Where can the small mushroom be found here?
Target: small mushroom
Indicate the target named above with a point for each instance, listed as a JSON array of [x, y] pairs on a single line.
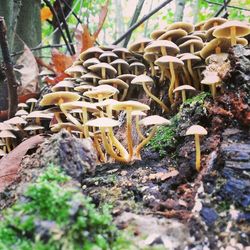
[[104, 70], [6, 135], [137, 114], [212, 79], [197, 130], [183, 89], [33, 102]]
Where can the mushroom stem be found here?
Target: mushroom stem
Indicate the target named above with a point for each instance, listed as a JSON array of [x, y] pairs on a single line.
[[142, 137], [57, 116], [164, 107], [187, 77], [171, 87], [145, 141], [103, 73], [233, 35], [115, 95], [183, 95], [190, 70], [7, 142], [32, 106], [192, 48], [98, 149], [213, 89], [163, 51], [152, 68], [85, 119], [124, 94], [217, 50], [197, 152], [129, 133]]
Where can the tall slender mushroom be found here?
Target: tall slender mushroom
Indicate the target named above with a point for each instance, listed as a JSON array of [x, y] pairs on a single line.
[[137, 114], [197, 130], [104, 70], [183, 89]]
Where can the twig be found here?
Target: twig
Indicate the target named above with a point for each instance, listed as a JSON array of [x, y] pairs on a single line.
[[41, 47], [133, 27], [221, 8], [134, 19], [228, 6], [66, 27], [59, 24], [73, 13], [11, 78]]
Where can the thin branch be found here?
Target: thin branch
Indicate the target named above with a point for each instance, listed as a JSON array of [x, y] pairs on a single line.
[[73, 13], [66, 27], [221, 8], [59, 24], [133, 27], [9, 72], [228, 6], [137, 13]]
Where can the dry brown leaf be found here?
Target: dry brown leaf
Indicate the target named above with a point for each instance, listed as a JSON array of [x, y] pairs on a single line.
[[28, 72], [163, 176], [87, 40], [10, 164], [60, 61]]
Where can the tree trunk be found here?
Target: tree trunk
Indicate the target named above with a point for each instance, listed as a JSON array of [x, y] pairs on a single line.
[[180, 5]]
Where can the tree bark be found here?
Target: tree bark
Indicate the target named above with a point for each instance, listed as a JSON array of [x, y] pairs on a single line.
[[180, 5]]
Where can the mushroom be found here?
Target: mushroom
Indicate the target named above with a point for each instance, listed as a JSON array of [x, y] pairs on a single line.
[[63, 86], [34, 128], [173, 35], [191, 46], [122, 53], [22, 106], [33, 102], [172, 63], [213, 22], [157, 33], [130, 106], [90, 62], [6, 135], [154, 120], [232, 29], [183, 89], [21, 113], [137, 68], [75, 70], [103, 69], [138, 46], [108, 56], [212, 79], [41, 115], [197, 130], [144, 81], [90, 53], [150, 57], [188, 27], [103, 123], [93, 78], [17, 121], [138, 113], [121, 66]]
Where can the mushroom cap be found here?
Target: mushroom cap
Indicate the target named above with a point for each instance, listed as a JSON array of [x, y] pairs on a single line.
[[124, 65], [90, 61], [173, 34], [188, 27], [22, 105], [97, 68], [32, 100], [75, 69], [138, 112], [21, 112], [184, 87], [46, 72], [150, 56], [55, 97], [126, 77], [90, 52], [196, 130], [57, 127], [7, 134], [106, 102], [166, 60], [139, 80], [157, 33], [83, 88], [16, 121], [120, 84], [103, 122], [5, 126], [107, 54], [190, 56], [140, 67], [223, 30], [108, 47], [211, 78], [136, 46], [130, 105], [154, 120], [186, 38], [155, 46], [200, 34], [199, 26], [104, 90], [91, 76], [79, 104], [185, 47], [44, 115], [120, 51], [216, 20], [63, 84], [33, 128]]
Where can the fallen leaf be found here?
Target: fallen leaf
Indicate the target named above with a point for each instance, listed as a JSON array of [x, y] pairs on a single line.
[[163, 176], [28, 69], [87, 40], [10, 164], [60, 61], [45, 13]]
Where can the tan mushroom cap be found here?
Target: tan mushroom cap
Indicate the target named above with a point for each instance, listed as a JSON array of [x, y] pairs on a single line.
[[196, 130], [130, 105], [105, 91], [184, 87], [126, 77], [139, 45], [154, 120], [118, 82], [7, 134], [157, 33], [5, 126], [139, 80], [63, 84], [140, 67], [107, 55], [108, 47], [138, 112], [185, 47], [223, 30], [56, 97], [97, 68], [120, 51], [75, 69], [66, 125], [103, 122], [21, 112], [173, 35], [90, 61], [91, 76], [40, 114], [166, 60], [83, 88], [122, 64], [22, 105], [106, 102], [186, 38], [188, 27], [216, 21], [155, 46], [90, 52], [199, 26], [200, 34], [32, 100], [16, 121], [150, 56], [91, 107], [209, 34], [190, 56], [33, 128]]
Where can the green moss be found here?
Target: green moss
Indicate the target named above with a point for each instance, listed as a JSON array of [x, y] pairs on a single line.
[[198, 99], [53, 215]]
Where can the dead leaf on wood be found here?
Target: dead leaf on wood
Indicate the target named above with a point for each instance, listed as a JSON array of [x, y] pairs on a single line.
[[163, 176], [28, 72], [60, 61], [10, 164]]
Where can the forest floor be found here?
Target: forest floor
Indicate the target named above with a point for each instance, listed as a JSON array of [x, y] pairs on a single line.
[[161, 201]]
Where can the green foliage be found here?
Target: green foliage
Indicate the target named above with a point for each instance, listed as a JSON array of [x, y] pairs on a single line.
[[53, 215], [198, 99]]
